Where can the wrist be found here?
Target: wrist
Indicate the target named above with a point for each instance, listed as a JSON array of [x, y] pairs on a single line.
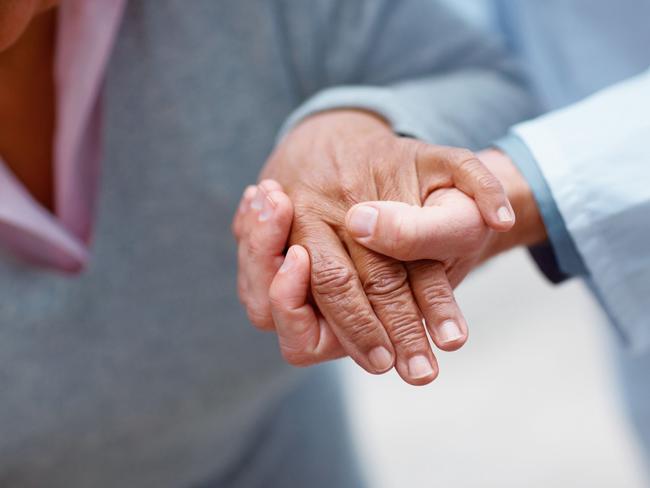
[[529, 227], [323, 134], [359, 121]]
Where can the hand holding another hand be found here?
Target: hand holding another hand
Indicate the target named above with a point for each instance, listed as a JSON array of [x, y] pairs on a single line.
[[335, 296]]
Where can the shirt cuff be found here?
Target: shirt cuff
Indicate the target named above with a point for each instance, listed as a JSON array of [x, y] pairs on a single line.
[[558, 258], [379, 100]]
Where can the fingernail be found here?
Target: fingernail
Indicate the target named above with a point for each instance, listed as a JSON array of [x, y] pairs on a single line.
[[419, 367], [288, 262], [363, 220], [380, 358], [258, 200], [504, 214], [267, 209], [249, 193], [449, 332]]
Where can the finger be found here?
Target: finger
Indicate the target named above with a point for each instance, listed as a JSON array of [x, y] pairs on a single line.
[[304, 337], [242, 278], [250, 215], [241, 235], [269, 224], [435, 298], [409, 232], [470, 175], [242, 209], [385, 282], [257, 202], [244, 220], [338, 293]]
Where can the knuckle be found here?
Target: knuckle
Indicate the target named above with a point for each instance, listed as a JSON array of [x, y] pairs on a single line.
[[470, 165], [437, 294], [358, 324], [302, 200], [464, 156], [403, 323], [385, 280], [410, 337], [309, 216], [488, 183], [362, 330], [331, 277], [475, 170], [334, 282], [352, 189], [255, 247]]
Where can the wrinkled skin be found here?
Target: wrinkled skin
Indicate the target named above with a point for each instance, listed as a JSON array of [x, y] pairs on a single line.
[[365, 305]]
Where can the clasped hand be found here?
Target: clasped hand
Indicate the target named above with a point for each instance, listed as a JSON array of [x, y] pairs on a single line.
[[333, 295]]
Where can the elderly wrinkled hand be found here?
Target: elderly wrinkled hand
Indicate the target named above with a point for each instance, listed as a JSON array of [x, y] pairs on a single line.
[[333, 296]]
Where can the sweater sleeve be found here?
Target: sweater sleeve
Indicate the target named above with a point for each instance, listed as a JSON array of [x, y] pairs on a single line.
[[420, 66]]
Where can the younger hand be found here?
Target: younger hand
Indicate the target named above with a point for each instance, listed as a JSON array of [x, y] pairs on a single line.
[[448, 227]]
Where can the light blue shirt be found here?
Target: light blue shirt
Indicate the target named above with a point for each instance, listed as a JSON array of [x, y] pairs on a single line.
[[573, 48], [589, 164]]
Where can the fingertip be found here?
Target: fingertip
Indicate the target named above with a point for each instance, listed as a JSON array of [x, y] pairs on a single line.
[[506, 215], [500, 219], [301, 255], [381, 360], [453, 346], [249, 192], [424, 381], [450, 335], [296, 262], [282, 209], [419, 370]]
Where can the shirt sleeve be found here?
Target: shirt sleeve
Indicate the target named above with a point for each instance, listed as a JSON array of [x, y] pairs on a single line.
[[595, 159], [558, 258], [421, 67]]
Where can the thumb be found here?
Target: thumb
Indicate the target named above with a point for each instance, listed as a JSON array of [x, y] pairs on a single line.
[[408, 233]]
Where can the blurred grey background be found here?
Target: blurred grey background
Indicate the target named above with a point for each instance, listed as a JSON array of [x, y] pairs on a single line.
[[530, 401]]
